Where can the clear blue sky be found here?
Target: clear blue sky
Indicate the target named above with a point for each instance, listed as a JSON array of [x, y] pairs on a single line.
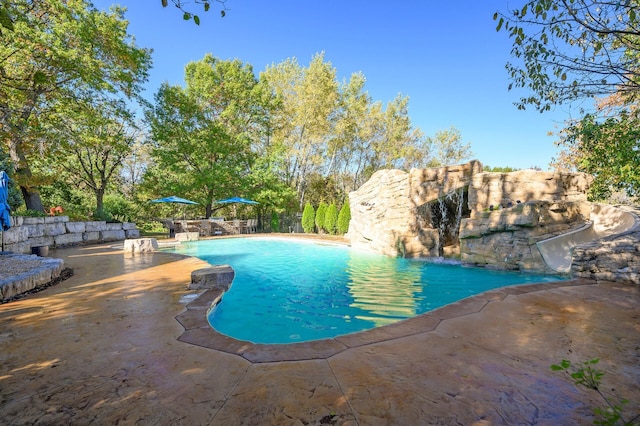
[[445, 55]]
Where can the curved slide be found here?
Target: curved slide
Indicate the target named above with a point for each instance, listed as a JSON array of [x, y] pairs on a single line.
[[605, 221]]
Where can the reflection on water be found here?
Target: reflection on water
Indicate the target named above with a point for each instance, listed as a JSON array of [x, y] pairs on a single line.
[[385, 289], [290, 291]]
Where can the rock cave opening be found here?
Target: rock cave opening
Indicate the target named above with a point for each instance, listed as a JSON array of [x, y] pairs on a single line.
[[444, 215]]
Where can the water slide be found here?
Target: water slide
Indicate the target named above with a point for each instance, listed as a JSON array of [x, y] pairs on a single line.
[[605, 221]]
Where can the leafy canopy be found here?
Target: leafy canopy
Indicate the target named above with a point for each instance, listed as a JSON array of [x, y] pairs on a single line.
[[608, 148], [54, 55], [571, 49]]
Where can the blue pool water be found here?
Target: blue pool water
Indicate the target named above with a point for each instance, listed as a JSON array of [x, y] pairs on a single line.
[[288, 290]]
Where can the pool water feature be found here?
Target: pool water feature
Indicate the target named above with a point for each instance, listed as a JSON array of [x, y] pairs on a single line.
[[291, 290]]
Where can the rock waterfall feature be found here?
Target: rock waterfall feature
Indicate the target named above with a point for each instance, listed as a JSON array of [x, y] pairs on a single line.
[[496, 220], [412, 214]]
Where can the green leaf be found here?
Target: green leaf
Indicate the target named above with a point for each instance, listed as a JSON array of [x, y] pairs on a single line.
[[222, 13], [196, 19], [500, 24], [207, 6], [186, 16], [164, 3], [5, 19]]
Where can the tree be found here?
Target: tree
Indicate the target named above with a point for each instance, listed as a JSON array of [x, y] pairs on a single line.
[[302, 126], [325, 129], [275, 222], [55, 54], [448, 148], [344, 217], [308, 219], [570, 49], [320, 188], [97, 139], [320, 216], [134, 166], [606, 147], [331, 219], [14, 199], [203, 133], [370, 137]]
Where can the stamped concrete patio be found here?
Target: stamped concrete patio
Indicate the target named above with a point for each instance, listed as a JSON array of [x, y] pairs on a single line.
[[102, 348]]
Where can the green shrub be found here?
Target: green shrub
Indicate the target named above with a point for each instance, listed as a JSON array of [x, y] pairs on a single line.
[[331, 219], [320, 214], [119, 208], [344, 217], [275, 222], [103, 216], [28, 213], [308, 218]]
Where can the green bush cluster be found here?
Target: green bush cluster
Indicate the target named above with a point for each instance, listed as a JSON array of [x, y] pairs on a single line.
[[320, 214], [331, 219], [308, 218], [344, 217], [326, 218]]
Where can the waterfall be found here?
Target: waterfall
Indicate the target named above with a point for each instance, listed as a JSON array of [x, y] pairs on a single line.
[[449, 211], [460, 206]]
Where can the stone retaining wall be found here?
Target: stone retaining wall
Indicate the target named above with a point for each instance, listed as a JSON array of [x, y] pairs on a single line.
[[57, 231]]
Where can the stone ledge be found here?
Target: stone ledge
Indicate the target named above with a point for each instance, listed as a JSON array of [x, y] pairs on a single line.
[[198, 332], [216, 277], [187, 236], [48, 269], [141, 245]]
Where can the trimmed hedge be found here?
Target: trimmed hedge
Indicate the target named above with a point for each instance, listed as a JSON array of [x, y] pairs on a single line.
[[308, 219], [331, 219], [344, 217], [320, 214]]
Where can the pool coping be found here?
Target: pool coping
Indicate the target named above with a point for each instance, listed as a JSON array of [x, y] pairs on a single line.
[[198, 331]]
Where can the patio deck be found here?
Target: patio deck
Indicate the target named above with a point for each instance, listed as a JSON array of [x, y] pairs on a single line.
[[102, 347]]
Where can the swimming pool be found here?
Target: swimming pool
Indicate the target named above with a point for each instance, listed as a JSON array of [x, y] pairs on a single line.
[[292, 290]]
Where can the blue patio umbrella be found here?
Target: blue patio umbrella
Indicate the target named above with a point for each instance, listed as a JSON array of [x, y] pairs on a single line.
[[236, 200], [173, 199], [5, 218]]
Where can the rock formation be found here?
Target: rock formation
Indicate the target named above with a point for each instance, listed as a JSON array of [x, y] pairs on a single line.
[[506, 238], [487, 219], [504, 189], [401, 214]]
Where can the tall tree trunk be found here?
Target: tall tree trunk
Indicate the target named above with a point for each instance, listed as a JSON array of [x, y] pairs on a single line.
[[99, 203], [31, 194]]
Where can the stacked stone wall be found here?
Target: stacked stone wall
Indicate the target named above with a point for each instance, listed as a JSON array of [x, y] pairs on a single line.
[[613, 258], [506, 238], [505, 189], [58, 231]]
